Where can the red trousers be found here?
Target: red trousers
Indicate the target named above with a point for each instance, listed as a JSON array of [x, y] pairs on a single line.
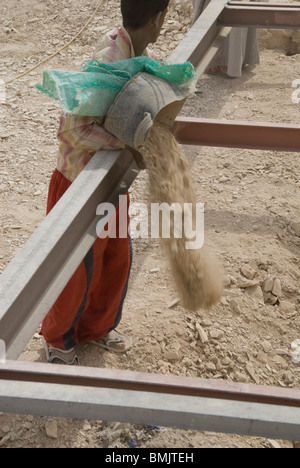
[[91, 304]]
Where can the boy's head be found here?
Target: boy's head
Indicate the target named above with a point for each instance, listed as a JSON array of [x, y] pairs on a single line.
[[138, 14]]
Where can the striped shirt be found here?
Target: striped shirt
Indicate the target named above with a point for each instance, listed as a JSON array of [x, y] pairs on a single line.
[[81, 137]]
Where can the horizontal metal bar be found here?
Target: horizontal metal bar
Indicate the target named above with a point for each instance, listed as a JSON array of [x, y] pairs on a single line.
[[269, 5], [143, 382], [235, 417], [256, 14], [201, 36], [237, 134], [34, 279]]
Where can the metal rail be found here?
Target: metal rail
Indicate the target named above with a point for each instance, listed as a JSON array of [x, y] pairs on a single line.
[[261, 15], [35, 278], [143, 382], [237, 134], [187, 412], [111, 395], [201, 37]]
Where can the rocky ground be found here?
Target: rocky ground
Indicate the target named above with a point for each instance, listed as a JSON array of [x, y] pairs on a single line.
[[252, 206]]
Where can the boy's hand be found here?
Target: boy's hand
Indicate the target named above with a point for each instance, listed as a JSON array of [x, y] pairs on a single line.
[[138, 157]]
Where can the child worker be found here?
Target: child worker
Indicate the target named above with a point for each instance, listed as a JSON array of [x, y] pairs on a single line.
[[90, 307]]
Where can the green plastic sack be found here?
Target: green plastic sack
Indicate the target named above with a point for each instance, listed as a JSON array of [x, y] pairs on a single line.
[[92, 91]]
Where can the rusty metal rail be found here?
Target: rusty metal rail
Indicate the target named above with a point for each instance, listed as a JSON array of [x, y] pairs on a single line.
[[143, 382], [114, 395], [33, 280], [237, 134]]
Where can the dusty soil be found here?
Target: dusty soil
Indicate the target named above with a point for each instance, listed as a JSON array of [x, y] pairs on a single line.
[[252, 206]]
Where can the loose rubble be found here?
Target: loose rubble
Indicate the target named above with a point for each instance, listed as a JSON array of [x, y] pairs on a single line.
[[252, 207]]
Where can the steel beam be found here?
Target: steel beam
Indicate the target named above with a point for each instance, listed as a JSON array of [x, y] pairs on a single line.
[[201, 37], [261, 15], [36, 276], [143, 382], [237, 134], [187, 412]]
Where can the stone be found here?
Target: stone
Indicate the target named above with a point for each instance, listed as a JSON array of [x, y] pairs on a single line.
[[226, 361], [206, 323], [274, 444], [51, 429], [4, 440], [286, 307], [202, 333], [112, 436], [27, 425], [235, 306], [294, 273], [288, 378], [87, 426], [248, 272], [250, 370], [280, 361], [269, 298], [262, 357], [210, 366], [263, 265], [276, 290], [244, 284], [296, 229], [268, 284], [226, 282], [266, 346], [256, 293], [172, 356], [216, 334], [240, 377], [223, 301], [281, 352]]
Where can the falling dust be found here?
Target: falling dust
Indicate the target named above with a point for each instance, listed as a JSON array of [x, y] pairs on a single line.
[[196, 272]]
